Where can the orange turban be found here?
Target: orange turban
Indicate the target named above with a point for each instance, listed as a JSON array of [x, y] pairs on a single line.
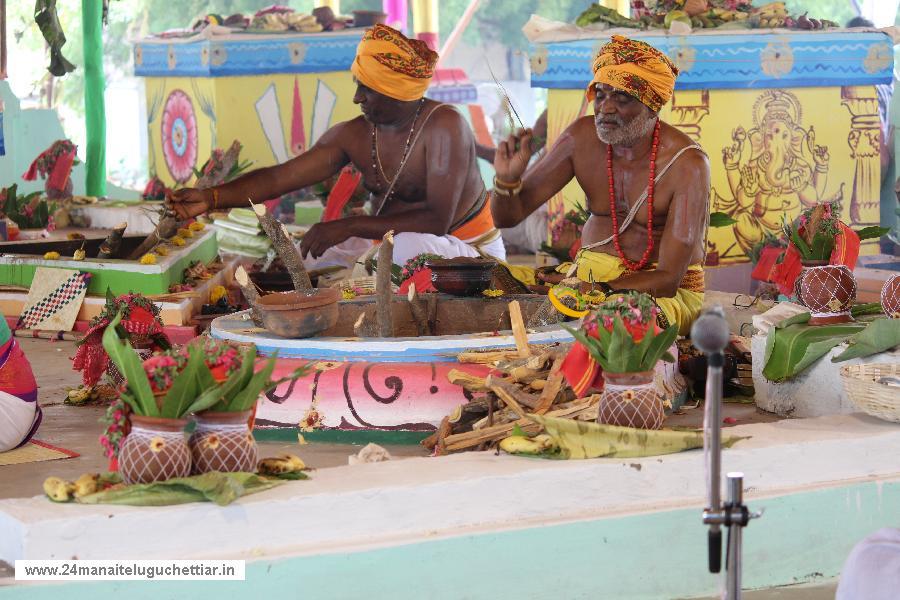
[[394, 65], [636, 68]]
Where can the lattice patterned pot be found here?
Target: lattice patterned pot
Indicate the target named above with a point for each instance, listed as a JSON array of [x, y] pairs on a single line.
[[223, 442], [154, 450], [890, 297], [630, 400], [827, 291]]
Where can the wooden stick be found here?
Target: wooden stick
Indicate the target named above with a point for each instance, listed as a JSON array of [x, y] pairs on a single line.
[[473, 383], [166, 228], [418, 310], [505, 396], [518, 329], [551, 390], [384, 294], [365, 324], [285, 248], [250, 293], [110, 246], [512, 392]]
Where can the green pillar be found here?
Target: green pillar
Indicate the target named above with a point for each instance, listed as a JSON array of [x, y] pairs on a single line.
[[94, 106]]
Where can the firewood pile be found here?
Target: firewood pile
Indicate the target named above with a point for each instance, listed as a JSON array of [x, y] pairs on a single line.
[[525, 380]]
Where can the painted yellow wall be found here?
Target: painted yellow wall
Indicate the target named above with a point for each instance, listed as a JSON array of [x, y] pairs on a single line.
[[829, 136], [225, 110]]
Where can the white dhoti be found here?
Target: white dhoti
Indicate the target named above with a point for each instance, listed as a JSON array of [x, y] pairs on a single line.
[[18, 419], [872, 571]]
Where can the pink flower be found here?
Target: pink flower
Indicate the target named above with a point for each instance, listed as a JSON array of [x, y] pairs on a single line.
[[104, 441], [112, 428], [117, 415]]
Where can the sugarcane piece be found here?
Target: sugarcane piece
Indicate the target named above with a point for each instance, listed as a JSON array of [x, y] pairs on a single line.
[[281, 241], [250, 293], [384, 293], [518, 329], [113, 242], [418, 311], [166, 228]]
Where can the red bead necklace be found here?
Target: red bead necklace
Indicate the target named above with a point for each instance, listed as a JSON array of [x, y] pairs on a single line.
[[633, 266]]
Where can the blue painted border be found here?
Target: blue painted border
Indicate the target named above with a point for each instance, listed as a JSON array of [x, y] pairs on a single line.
[[802, 538], [249, 55], [739, 61]]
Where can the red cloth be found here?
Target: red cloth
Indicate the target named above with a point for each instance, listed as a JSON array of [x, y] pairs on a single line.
[[422, 279], [62, 168], [91, 358], [767, 266], [341, 193], [846, 252]]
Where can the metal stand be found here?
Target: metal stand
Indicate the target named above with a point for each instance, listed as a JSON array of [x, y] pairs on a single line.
[[710, 334]]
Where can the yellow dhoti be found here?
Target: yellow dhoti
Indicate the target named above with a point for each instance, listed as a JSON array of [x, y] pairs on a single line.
[[683, 308]]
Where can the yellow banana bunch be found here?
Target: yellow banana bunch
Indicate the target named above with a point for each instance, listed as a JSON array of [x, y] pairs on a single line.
[[520, 444], [58, 489], [87, 484], [287, 463]]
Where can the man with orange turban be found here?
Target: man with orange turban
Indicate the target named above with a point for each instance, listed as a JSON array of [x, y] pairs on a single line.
[[416, 157], [646, 184]]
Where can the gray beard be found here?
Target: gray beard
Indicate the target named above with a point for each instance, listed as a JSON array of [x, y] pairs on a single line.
[[628, 133]]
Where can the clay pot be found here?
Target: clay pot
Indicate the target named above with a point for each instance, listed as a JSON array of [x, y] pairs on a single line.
[[144, 350], [154, 450], [295, 315], [827, 291], [695, 7], [630, 400], [223, 442], [461, 276], [890, 297]]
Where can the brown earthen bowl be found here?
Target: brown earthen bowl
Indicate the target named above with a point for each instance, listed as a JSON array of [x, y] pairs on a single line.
[[295, 315], [461, 276]]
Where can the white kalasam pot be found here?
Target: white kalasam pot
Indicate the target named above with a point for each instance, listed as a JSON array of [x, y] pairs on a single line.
[[827, 291], [154, 450], [890, 297], [631, 400]]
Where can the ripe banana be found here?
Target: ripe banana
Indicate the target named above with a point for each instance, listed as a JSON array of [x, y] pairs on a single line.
[[86, 484], [58, 489], [287, 463], [519, 444]]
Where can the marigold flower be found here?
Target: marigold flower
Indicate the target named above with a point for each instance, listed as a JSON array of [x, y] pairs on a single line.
[[51, 256], [178, 241], [197, 226], [185, 233], [148, 259]]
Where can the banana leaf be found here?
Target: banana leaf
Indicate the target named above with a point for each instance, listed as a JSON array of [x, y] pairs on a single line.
[[247, 397], [617, 351], [881, 335], [659, 347], [184, 389], [221, 488], [583, 439], [792, 346], [129, 365], [48, 22]]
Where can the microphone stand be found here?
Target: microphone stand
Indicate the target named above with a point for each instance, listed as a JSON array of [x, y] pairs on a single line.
[[710, 334]]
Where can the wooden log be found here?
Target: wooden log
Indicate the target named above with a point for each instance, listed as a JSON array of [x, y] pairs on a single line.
[[113, 242], [518, 395], [250, 293], [365, 324], [443, 432], [419, 311], [384, 293], [166, 228], [551, 390], [505, 396], [518, 329], [285, 248]]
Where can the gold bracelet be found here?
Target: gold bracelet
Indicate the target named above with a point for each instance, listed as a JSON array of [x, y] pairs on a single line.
[[499, 183]]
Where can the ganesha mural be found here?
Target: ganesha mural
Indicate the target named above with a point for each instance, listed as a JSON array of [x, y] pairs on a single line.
[[774, 168]]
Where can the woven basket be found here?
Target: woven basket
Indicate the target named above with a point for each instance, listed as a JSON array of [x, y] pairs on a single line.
[[877, 399]]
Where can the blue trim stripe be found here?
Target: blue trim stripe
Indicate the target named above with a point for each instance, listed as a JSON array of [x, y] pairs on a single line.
[[776, 60]]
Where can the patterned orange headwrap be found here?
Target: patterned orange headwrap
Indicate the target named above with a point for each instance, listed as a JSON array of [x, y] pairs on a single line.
[[394, 65], [636, 68]]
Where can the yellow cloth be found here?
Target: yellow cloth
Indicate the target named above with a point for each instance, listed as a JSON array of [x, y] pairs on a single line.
[[394, 65], [636, 68], [598, 267]]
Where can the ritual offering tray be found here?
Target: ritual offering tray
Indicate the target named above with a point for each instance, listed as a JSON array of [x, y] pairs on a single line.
[[461, 276], [20, 259]]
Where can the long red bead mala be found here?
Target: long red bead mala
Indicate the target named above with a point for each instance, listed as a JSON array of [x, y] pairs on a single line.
[[633, 266]]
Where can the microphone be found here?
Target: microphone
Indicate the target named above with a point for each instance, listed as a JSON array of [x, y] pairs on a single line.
[[710, 333]]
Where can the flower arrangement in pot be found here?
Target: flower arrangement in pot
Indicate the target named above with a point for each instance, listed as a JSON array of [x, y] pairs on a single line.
[[155, 449], [140, 324], [622, 335], [827, 250]]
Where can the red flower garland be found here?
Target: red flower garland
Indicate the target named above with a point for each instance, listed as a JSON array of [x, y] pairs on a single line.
[[633, 266]]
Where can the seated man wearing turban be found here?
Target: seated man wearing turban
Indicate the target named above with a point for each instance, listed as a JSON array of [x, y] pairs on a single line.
[[646, 183], [416, 156]]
